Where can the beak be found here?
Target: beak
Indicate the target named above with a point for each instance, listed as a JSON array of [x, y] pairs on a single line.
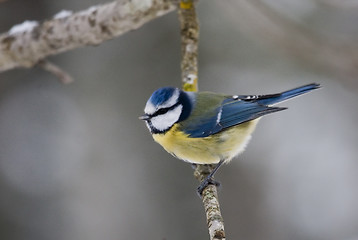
[[144, 117]]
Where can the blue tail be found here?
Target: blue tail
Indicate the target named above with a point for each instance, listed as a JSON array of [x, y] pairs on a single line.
[[280, 97]]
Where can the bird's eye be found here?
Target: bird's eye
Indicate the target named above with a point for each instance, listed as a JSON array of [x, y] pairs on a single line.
[[162, 111]]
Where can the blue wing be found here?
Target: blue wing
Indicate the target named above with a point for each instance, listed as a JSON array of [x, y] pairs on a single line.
[[240, 109], [232, 112]]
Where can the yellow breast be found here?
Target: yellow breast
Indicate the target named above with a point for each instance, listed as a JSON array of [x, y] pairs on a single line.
[[208, 150]]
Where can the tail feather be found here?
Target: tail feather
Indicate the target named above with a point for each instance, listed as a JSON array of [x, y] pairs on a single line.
[[277, 98]]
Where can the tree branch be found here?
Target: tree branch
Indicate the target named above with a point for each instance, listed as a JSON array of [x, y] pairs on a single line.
[[211, 204], [189, 27], [26, 44], [189, 66], [64, 77]]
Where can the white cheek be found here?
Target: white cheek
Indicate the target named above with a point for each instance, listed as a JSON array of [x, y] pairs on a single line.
[[165, 121]]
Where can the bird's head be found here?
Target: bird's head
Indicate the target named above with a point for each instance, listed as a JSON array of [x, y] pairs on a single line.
[[166, 107]]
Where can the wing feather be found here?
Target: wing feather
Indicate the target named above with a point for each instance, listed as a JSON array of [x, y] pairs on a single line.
[[231, 112]]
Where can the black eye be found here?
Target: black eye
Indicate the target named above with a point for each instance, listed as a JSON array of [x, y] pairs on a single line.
[[162, 111]]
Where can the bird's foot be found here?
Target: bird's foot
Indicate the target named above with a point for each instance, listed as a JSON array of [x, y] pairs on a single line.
[[208, 181]]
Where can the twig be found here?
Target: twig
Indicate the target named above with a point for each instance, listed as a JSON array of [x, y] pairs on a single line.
[[189, 66], [211, 204], [64, 77], [189, 27], [26, 44]]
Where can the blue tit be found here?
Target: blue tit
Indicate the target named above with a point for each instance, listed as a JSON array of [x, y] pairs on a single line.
[[206, 127]]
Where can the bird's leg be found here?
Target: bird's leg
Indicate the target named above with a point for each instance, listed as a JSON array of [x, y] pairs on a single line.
[[209, 179]]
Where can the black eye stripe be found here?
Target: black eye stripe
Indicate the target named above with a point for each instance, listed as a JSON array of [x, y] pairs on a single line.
[[162, 111]]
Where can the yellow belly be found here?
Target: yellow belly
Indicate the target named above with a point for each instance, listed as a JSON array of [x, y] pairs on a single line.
[[209, 150]]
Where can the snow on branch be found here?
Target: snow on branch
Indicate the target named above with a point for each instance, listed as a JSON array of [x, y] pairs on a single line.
[[24, 45]]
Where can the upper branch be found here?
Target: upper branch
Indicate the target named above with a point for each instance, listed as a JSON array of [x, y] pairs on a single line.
[[26, 44], [189, 27]]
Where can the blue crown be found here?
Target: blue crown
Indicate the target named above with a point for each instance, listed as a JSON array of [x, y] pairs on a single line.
[[161, 95]]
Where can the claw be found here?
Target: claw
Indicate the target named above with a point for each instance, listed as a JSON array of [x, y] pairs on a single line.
[[209, 179], [205, 183]]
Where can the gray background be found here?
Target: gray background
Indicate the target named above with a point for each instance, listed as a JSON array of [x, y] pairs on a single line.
[[76, 163]]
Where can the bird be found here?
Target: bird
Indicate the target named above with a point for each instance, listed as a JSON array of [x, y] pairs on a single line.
[[207, 127]]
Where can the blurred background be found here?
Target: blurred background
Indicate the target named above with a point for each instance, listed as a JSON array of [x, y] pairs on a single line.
[[76, 163]]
